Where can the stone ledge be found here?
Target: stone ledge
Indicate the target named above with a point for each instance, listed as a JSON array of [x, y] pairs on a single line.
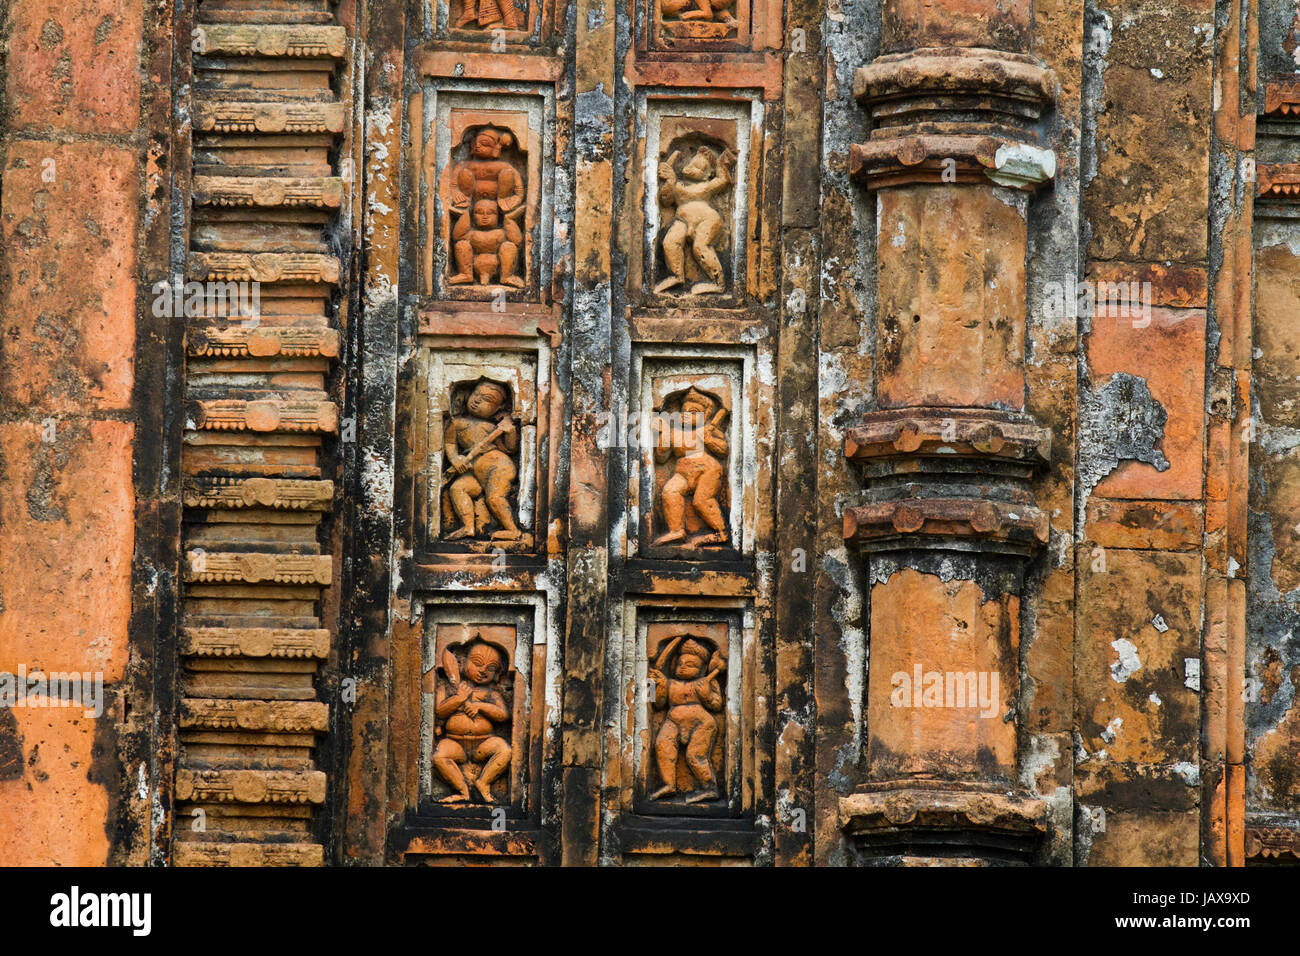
[[213, 39], [950, 159], [221, 116], [188, 853], [1021, 526], [1278, 181], [251, 786], [947, 433], [1282, 95], [284, 494], [263, 415], [305, 267], [935, 71], [945, 827], [255, 642], [1272, 843], [325, 192], [257, 567], [262, 341], [258, 715]]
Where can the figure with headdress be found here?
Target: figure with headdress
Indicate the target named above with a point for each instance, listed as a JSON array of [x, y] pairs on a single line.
[[691, 697], [698, 445], [695, 221], [487, 199]]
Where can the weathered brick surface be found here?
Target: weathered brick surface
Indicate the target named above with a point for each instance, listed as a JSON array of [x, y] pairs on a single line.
[[75, 66], [1139, 626], [52, 813], [66, 608], [1160, 525], [1149, 199], [67, 290], [1169, 356], [1145, 838], [70, 226], [1271, 730]]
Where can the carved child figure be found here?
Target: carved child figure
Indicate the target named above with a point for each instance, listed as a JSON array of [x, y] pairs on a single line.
[[469, 713], [691, 697], [478, 448], [483, 190], [485, 175], [484, 248], [698, 446], [694, 218]]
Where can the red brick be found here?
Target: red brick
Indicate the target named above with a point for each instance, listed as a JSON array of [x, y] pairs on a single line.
[[75, 66], [67, 289], [52, 815], [67, 509], [1169, 355]]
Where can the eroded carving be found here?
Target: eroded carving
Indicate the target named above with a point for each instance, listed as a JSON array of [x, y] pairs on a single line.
[[488, 15], [473, 714], [698, 19], [690, 450], [486, 201], [268, 415], [481, 447], [687, 719], [695, 186]]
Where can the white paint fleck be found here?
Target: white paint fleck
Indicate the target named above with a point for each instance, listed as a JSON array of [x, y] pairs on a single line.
[[377, 481], [1112, 730], [1128, 662], [1041, 758], [900, 236], [1016, 164]]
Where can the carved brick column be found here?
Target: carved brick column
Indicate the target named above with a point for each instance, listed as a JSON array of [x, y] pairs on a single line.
[[947, 459], [260, 420]]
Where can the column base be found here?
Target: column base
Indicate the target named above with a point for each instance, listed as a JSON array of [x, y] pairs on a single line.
[[930, 826]]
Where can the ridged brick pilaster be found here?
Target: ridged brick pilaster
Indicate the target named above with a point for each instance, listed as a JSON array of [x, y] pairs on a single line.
[[260, 422]]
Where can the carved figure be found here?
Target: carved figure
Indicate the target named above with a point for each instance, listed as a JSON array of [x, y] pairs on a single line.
[[488, 13], [713, 10], [484, 248], [698, 446], [695, 220], [468, 710], [487, 199], [479, 446], [691, 697]]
